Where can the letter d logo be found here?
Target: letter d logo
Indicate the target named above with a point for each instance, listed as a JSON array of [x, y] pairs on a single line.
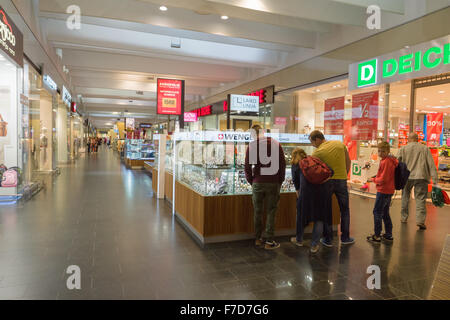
[[367, 73]]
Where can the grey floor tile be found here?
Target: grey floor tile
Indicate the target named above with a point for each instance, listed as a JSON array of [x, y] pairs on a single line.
[[132, 248]]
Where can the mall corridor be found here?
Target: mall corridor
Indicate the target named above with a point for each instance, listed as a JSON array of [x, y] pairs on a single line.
[[102, 217]]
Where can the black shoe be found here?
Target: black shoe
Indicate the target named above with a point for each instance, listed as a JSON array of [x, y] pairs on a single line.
[[271, 245], [422, 226], [387, 238]]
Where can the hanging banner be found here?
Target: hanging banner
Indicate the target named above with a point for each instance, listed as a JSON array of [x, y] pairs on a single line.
[[334, 116], [365, 116], [11, 39], [434, 128], [170, 96], [190, 117]]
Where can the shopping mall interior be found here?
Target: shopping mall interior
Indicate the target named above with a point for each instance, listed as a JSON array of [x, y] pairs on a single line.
[[124, 127]]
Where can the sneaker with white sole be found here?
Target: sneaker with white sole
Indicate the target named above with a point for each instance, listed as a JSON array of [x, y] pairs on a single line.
[[348, 241], [271, 245], [294, 241], [326, 244], [315, 249]]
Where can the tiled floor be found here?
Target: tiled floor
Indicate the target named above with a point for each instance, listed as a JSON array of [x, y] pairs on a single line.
[[102, 217]]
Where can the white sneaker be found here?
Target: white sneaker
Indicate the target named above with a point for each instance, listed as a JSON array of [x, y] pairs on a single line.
[[294, 241]]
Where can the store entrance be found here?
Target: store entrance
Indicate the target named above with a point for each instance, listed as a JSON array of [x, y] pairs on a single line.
[[432, 121], [242, 124]]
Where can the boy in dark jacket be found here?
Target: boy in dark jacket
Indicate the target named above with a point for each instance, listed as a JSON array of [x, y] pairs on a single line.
[[385, 182]]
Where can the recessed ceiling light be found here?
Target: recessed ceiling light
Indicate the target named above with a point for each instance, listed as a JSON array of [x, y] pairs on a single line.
[[425, 99], [405, 109], [403, 95], [224, 17], [442, 101], [442, 91], [163, 8], [394, 101], [317, 90]]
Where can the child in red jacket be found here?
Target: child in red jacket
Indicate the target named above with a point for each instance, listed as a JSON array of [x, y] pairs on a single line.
[[385, 183]]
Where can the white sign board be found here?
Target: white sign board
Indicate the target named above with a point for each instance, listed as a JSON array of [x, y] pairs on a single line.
[[66, 96], [48, 81], [244, 103], [230, 136]]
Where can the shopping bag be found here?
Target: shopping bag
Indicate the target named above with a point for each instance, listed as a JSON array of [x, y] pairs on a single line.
[[437, 197]]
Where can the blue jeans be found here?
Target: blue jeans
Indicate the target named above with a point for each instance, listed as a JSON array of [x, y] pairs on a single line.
[[317, 233], [339, 188], [381, 213]]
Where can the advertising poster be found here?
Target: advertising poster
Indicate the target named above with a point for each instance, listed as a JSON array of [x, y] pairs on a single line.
[[434, 128], [365, 116], [170, 96], [190, 117], [334, 116]]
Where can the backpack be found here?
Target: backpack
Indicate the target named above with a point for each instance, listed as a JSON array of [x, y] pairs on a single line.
[[315, 170], [401, 176], [9, 179]]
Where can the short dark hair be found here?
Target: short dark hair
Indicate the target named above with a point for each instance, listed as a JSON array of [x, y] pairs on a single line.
[[257, 128], [316, 134]]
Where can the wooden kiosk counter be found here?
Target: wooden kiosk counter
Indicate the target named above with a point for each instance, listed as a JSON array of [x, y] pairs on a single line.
[[222, 218]]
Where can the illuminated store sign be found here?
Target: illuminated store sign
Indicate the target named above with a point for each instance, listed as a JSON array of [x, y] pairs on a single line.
[[190, 117], [227, 136], [11, 39], [48, 81], [170, 96], [204, 111], [66, 96], [423, 60], [244, 103]]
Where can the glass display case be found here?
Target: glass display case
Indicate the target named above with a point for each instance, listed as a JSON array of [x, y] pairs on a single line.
[[169, 155], [139, 149], [217, 168]]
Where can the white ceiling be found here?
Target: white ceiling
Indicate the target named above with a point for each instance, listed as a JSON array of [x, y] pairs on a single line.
[[124, 45]]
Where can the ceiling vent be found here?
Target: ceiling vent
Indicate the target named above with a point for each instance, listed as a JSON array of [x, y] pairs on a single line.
[[141, 93], [176, 43]]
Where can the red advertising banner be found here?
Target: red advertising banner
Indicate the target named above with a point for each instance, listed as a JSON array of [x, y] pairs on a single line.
[[334, 116], [170, 96], [434, 128], [365, 116]]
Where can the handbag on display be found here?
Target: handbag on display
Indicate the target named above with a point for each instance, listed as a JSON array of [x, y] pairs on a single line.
[[9, 179], [3, 127]]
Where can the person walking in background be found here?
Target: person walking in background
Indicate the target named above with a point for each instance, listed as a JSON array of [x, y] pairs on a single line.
[[313, 203], [420, 163], [335, 155], [385, 182], [266, 180], [88, 146]]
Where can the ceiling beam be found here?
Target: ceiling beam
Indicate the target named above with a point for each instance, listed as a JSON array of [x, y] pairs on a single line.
[[218, 9], [317, 10], [75, 59], [178, 18]]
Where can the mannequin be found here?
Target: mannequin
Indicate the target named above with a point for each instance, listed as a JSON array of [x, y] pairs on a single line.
[[43, 148]]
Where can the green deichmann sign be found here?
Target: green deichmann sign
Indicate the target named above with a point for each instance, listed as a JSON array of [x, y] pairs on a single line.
[[419, 61]]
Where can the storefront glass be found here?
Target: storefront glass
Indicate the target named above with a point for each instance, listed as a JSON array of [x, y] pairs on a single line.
[[10, 122], [368, 116]]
